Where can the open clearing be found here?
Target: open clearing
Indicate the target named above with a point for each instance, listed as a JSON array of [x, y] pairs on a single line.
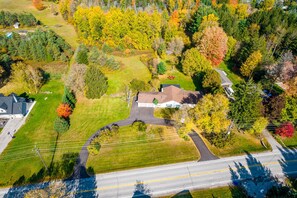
[[131, 148]]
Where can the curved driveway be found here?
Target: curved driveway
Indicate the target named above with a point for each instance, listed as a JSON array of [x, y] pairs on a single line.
[[137, 113]]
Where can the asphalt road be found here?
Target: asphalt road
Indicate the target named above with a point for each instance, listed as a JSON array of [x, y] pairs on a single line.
[[254, 172]]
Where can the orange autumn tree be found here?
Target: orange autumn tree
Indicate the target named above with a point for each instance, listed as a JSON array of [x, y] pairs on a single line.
[[64, 110], [213, 44], [38, 4]]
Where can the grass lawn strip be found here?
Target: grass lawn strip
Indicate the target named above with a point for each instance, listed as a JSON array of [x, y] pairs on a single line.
[[289, 142], [224, 192], [240, 144], [130, 148]]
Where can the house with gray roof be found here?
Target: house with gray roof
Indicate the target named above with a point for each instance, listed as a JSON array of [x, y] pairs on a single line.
[[12, 106], [226, 82]]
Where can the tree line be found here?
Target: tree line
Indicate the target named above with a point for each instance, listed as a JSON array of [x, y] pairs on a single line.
[[8, 19], [38, 45]]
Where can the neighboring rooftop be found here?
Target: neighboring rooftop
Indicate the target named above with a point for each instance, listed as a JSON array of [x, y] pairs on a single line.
[[12, 105], [225, 80]]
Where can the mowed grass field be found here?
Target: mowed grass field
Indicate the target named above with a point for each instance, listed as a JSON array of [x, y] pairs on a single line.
[[53, 22], [184, 81], [241, 143], [130, 148], [132, 68], [18, 159]]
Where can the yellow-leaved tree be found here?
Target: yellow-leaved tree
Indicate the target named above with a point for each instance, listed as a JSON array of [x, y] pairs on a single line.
[[211, 114], [251, 63]]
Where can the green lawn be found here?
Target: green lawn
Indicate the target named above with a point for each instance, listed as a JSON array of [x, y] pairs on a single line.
[[18, 159], [240, 144], [55, 23], [131, 68], [289, 142], [231, 75], [220, 192], [131, 148], [87, 118], [184, 81]]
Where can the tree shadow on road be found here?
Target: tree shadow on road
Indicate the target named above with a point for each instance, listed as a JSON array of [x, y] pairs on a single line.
[[141, 190], [183, 194], [255, 180]]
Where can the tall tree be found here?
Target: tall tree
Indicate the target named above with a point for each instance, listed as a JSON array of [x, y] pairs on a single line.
[[246, 108], [194, 62], [76, 78], [95, 83], [213, 44], [211, 114], [27, 76], [251, 63]]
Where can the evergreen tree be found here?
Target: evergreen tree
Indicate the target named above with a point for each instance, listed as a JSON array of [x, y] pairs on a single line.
[[82, 55], [246, 108], [61, 125], [96, 83]]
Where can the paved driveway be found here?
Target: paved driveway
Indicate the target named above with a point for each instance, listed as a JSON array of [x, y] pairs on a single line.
[[11, 127]]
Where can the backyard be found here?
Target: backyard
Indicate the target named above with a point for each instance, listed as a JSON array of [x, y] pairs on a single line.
[[131, 148]]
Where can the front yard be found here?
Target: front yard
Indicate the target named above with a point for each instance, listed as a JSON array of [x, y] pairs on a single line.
[[289, 142], [240, 144], [130, 148]]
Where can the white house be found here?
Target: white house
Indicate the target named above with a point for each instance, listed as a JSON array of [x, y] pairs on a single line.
[[16, 25], [171, 96], [12, 106]]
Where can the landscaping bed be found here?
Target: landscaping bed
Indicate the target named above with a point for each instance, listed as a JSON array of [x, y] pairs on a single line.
[[131, 148]]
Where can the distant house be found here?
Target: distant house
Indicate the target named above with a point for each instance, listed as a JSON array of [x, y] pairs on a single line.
[[12, 106], [226, 83], [170, 96], [16, 25]]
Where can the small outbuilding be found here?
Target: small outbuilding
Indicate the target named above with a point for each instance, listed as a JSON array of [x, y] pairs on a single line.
[[16, 25]]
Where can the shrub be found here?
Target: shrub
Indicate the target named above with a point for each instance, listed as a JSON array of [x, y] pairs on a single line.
[[61, 125], [64, 110], [161, 68], [219, 140], [139, 125], [285, 130], [94, 148]]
